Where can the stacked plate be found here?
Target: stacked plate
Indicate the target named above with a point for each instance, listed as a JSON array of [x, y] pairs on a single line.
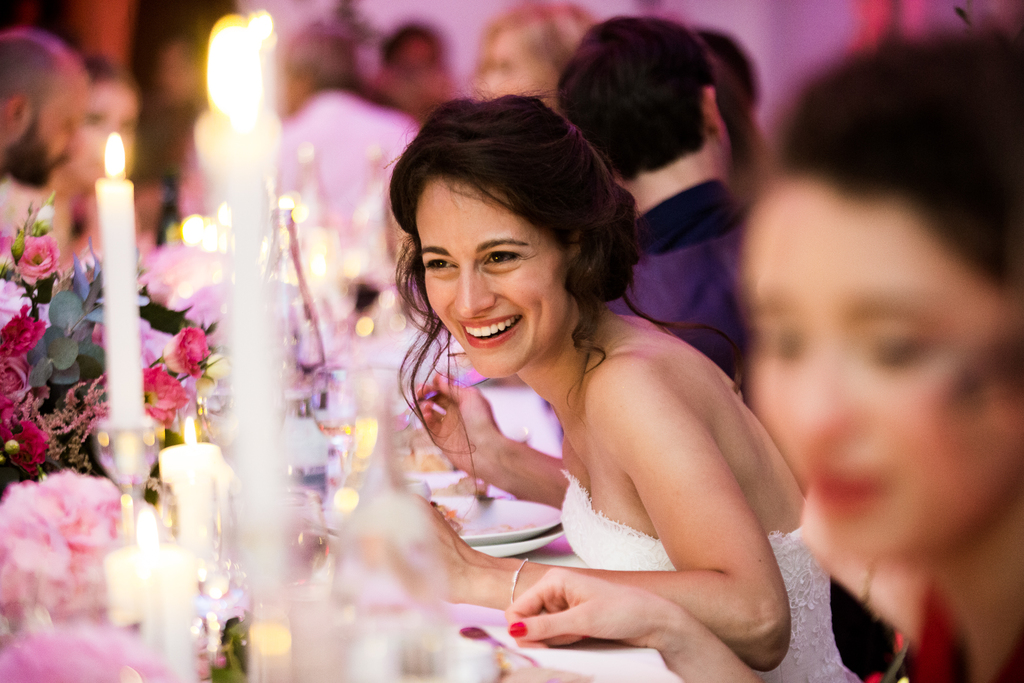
[[501, 527]]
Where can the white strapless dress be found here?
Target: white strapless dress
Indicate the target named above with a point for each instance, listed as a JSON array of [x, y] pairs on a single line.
[[813, 656]]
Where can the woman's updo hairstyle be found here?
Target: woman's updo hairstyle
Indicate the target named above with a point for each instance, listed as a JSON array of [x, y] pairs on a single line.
[[939, 124], [516, 152]]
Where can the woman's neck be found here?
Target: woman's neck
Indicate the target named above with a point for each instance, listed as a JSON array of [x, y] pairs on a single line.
[[558, 379], [983, 585]]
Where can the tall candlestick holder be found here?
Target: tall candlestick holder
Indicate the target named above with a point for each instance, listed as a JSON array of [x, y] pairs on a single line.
[[128, 456]]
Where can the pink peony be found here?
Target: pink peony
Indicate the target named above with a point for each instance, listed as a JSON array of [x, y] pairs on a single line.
[[53, 537], [40, 259], [185, 351], [31, 445], [20, 334], [14, 376], [12, 300], [164, 396], [81, 654]]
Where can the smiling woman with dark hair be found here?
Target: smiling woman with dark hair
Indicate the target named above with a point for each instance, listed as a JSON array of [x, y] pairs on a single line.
[[518, 236]]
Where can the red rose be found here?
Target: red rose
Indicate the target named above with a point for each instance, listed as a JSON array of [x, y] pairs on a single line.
[[31, 446], [186, 350], [164, 395], [21, 334]]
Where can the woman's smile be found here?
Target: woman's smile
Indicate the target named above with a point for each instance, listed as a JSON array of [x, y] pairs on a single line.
[[481, 333]]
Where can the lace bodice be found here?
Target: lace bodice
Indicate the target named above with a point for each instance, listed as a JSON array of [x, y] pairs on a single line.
[[813, 656]]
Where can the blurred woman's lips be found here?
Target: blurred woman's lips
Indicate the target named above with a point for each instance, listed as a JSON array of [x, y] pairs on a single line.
[[844, 494]]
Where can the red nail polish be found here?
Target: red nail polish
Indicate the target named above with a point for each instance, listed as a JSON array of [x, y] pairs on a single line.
[[517, 630]]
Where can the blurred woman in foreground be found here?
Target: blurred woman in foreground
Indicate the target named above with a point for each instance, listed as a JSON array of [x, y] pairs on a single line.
[[888, 360]]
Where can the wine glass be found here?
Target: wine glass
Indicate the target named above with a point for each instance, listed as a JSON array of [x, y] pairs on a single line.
[[334, 410]]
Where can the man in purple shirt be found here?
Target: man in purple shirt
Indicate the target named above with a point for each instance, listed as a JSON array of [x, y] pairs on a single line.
[[642, 90]]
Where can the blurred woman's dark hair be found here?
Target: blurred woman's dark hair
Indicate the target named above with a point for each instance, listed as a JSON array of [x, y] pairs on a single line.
[[519, 154], [937, 124]]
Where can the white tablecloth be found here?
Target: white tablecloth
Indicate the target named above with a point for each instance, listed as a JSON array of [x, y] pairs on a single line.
[[605, 662]]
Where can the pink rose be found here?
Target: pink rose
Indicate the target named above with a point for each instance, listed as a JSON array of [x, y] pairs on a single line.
[[31, 442], [20, 334], [12, 300], [164, 396], [185, 351], [40, 259], [14, 376]]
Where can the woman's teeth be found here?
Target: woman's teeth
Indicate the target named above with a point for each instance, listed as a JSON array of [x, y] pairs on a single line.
[[484, 332]]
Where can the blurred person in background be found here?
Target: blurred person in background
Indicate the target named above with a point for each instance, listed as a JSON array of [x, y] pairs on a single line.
[[325, 108], [113, 108], [736, 92], [414, 76], [643, 91], [523, 51], [43, 95]]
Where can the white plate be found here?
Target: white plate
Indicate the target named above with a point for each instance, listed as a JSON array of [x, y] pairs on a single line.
[[485, 522], [520, 547]]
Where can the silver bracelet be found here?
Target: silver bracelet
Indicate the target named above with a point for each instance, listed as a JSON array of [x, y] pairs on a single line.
[[515, 580]]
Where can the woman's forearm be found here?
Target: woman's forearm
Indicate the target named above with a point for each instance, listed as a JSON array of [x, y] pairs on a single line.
[[754, 625], [526, 473]]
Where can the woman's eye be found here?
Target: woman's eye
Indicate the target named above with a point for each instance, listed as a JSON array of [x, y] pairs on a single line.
[[896, 352], [436, 264], [501, 257]]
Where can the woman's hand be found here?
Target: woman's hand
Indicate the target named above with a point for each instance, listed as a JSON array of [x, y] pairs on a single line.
[[565, 606], [462, 425], [473, 577]]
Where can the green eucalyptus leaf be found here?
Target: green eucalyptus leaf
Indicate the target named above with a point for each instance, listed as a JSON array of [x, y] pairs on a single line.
[[69, 376], [65, 309], [40, 373], [89, 367], [87, 348], [63, 352]]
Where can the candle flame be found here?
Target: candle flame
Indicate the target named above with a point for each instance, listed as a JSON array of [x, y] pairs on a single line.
[[189, 432], [113, 158], [192, 230], [262, 25], [147, 535], [234, 75]]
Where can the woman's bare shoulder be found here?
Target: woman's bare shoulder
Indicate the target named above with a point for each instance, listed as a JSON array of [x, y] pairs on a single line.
[[645, 360]]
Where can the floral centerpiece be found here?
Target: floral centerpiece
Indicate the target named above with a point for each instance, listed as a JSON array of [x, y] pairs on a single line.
[[52, 359], [53, 537]]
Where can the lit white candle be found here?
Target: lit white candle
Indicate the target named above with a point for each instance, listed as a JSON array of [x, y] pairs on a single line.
[[154, 585], [236, 91], [115, 197], [190, 469]]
